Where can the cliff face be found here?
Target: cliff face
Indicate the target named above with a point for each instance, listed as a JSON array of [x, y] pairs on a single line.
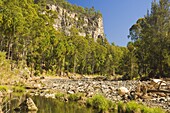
[[87, 25]]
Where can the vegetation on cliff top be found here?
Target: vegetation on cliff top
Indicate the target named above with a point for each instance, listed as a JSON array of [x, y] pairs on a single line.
[[90, 12]]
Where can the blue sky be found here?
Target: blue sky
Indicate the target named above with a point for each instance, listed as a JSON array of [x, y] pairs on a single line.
[[118, 16]]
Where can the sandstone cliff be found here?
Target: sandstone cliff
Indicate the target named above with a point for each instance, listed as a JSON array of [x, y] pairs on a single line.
[[87, 25]]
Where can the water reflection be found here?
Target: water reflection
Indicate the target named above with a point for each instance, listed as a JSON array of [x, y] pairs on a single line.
[[48, 105]]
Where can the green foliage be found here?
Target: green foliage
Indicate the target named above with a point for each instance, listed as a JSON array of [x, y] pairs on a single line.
[[98, 102], [28, 38], [3, 62], [3, 88], [75, 97], [132, 106], [2, 56], [151, 37], [18, 89], [73, 8], [135, 107], [59, 95], [37, 73], [20, 84], [101, 104], [121, 107]]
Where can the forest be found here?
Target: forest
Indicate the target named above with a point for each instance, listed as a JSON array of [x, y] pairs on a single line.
[[27, 38]]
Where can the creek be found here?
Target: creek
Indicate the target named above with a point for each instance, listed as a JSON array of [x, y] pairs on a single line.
[[49, 105]]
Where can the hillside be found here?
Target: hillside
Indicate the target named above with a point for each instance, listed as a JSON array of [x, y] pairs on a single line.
[[57, 38]]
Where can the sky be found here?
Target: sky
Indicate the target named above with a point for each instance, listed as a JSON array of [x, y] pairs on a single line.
[[118, 16]]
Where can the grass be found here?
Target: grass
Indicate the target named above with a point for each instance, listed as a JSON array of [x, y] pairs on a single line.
[[18, 89], [3, 88], [134, 107], [75, 97], [101, 104], [59, 95]]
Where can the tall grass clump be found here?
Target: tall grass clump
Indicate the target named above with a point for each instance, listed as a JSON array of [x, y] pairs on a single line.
[[134, 107], [75, 97], [3, 88], [18, 89], [59, 95], [99, 103]]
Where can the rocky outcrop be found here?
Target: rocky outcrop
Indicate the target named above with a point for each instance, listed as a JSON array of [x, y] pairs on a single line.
[[87, 25], [123, 91]]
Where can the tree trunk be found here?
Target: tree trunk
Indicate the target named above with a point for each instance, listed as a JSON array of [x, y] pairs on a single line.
[[75, 63]]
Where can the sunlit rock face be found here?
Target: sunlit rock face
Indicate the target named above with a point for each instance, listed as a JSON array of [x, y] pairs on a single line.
[[87, 25]]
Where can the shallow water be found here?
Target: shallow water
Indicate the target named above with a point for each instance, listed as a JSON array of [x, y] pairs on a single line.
[[48, 105]]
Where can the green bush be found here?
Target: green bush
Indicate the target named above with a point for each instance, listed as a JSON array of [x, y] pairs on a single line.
[[139, 108], [3, 88], [98, 102], [75, 97], [112, 106], [18, 89], [132, 106], [145, 109], [37, 73], [59, 95], [101, 104], [121, 107], [3, 61]]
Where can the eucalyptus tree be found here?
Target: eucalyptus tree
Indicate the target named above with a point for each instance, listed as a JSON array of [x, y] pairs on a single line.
[[151, 36]]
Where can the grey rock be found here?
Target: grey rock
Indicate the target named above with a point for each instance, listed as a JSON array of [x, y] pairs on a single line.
[[92, 26], [91, 87], [70, 92]]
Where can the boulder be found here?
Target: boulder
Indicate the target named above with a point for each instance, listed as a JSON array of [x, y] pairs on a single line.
[[70, 92], [123, 91], [157, 82]]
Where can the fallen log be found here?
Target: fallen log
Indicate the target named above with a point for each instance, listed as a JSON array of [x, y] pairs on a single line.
[[162, 91], [30, 87]]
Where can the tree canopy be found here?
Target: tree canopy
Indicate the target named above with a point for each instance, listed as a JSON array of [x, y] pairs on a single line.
[[27, 35], [151, 36]]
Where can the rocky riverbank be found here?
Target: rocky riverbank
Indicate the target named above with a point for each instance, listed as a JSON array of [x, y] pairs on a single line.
[[113, 90], [145, 92]]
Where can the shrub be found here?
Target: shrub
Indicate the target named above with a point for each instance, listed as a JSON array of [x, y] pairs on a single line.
[[132, 106], [18, 89], [158, 110], [59, 95], [75, 97], [98, 102], [3, 88], [37, 73], [139, 108], [4, 63], [145, 109], [121, 107]]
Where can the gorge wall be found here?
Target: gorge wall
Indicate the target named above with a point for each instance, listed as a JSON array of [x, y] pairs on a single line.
[[86, 25]]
